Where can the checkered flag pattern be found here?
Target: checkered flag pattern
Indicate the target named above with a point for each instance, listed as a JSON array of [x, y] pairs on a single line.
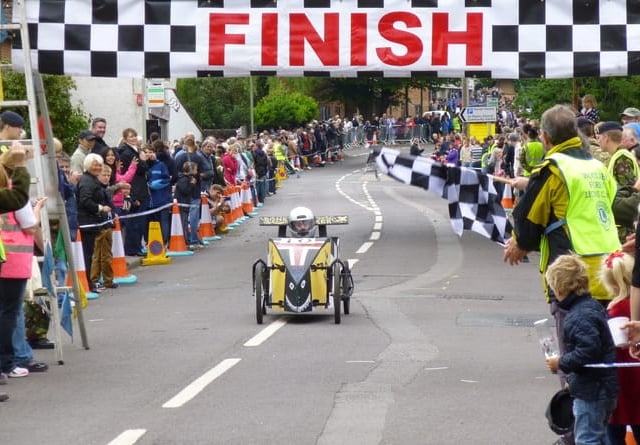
[[473, 201], [171, 38]]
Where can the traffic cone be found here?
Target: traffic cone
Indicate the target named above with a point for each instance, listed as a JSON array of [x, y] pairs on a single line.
[[236, 206], [205, 229], [375, 139], [77, 254], [629, 439], [119, 264], [156, 255], [177, 244], [507, 197], [247, 200]]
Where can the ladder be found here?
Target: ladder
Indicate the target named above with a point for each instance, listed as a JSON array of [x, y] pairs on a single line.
[[44, 168]]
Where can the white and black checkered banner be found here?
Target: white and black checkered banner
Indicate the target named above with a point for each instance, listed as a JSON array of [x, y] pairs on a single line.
[[474, 203], [343, 38]]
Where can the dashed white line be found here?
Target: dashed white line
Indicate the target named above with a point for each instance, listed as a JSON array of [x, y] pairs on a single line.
[[374, 236], [128, 437], [264, 334], [195, 387], [377, 226], [364, 247]]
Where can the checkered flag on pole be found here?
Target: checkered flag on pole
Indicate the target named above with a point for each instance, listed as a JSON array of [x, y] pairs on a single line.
[[474, 203]]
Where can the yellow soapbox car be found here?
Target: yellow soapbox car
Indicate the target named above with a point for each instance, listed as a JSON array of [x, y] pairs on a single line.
[[302, 275]]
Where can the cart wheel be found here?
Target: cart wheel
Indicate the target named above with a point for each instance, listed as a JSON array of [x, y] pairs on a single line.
[[260, 303], [346, 284], [337, 293]]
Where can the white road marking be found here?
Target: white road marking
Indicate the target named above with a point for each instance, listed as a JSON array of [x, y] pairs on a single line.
[[377, 226], [360, 361], [195, 387], [264, 334], [364, 247], [352, 262], [468, 381], [374, 236], [436, 369], [128, 437]]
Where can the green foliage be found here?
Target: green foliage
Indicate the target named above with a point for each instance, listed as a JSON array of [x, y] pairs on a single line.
[[215, 102], [613, 94], [67, 121], [282, 108]]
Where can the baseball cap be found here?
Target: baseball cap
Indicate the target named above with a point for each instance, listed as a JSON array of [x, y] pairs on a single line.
[[631, 112], [12, 119], [88, 135], [608, 126]]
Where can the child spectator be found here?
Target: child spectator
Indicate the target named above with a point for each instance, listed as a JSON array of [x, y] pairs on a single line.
[[187, 190], [102, 256], [587, 340], [615, 275]]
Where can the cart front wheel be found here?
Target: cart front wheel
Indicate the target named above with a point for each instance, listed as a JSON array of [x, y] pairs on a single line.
[[258, 289]]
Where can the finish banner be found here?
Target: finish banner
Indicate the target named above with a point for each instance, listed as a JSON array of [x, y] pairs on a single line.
[[341, 38]]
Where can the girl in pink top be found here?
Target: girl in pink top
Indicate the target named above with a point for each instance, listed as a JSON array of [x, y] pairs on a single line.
[[117, 177]]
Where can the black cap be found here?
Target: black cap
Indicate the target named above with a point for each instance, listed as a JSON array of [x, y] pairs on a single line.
[[12, 119], [608, 126], [88, 135]]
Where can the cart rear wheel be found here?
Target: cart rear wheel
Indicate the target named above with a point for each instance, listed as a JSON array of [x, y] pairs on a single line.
[[260, 303], [337, 293]]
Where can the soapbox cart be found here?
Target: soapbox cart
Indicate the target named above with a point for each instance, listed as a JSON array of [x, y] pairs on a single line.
[[302, 275]]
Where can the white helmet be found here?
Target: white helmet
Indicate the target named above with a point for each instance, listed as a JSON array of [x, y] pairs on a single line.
[[301, 222]]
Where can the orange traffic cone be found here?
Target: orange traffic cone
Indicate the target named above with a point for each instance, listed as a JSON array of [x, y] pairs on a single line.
[[177, 244], [629, 439], [507, 197], [375, 139], [77, 254], [205, 229], [247, 200], [236, 206], [121, 273]]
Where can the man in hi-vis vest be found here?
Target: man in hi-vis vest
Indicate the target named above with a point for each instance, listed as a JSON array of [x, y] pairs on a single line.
[[566, 207]]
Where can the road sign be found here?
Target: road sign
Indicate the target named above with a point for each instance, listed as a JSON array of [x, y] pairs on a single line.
[[155, 95], [478, 114]]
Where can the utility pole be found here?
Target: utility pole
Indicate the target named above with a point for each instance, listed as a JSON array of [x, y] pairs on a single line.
[[465, 103]]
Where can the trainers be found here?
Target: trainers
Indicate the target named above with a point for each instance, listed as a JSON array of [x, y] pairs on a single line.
[[18, 372]]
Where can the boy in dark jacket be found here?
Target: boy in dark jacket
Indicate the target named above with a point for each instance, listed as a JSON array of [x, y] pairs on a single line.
[[587, 340], [187, 190]]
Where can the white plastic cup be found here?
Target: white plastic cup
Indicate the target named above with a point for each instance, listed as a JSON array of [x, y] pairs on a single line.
[[620, 336], [547, 338]]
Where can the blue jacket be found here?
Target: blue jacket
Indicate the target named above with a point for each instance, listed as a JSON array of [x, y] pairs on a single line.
[[587, 340], [159, 184]]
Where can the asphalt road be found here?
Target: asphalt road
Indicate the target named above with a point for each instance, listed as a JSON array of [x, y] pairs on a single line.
[[439, 347]]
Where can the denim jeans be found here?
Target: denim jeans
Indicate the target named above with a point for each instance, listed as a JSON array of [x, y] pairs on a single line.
[[591, 420], [194, 222], [261, 185], [22, 352], [11, 292]]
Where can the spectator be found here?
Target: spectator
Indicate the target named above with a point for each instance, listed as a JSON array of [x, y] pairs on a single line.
[[548, 220], [99, 128], [615, 274], [630, 114], [102, 257], [93, 208], [187, 191], [135, 228], [160, 187], [586, 340], [20, 230], [86, 142], [622, 166], [589, 108], [414, 149]]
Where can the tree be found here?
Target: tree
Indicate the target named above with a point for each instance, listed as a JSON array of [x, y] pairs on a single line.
[[282, 108], [67, 121], [216, 102], [613, 94]]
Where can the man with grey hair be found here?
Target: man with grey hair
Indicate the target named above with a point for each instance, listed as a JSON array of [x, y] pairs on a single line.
[[566, 208]]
